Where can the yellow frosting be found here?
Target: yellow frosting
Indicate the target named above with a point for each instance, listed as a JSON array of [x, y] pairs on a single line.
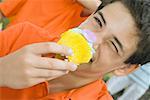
[[82, 51]]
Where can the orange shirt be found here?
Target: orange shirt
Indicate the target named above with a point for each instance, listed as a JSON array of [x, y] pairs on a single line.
[[56, 16], [50, 14], [22, 34]]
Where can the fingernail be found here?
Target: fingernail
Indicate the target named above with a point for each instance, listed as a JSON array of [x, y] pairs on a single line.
[[70, 51], [67, 57], [74, 67], [66, 60], [67, 72]]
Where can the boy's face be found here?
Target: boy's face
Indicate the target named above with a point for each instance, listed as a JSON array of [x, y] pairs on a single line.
[[116, 35]]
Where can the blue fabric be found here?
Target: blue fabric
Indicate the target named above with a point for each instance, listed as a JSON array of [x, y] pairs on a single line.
[[142, 76]]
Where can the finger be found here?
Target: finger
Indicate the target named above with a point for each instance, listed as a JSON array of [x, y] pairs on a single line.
[[38, 80], [53, 64], [43, 73], [50, 47]]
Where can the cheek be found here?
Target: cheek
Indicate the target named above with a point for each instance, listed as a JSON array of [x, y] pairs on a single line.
[[93, 27], [108, 57]]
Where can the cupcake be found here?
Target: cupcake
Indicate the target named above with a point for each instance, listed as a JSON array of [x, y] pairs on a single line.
[[81, 42]]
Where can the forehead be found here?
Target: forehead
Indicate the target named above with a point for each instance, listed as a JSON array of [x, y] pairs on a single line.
[[121, 24]]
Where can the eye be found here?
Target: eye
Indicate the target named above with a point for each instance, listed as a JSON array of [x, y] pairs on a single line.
[[113, 44], [98, 21]]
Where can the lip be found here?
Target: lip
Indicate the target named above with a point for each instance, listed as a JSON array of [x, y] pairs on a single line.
[[96, 55], [94, 58]]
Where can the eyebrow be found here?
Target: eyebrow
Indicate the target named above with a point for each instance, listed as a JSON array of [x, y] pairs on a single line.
[[98, 21], [102, 16], [118, 42]]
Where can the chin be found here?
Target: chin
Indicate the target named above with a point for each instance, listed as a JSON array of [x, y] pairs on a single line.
[[84, 67]]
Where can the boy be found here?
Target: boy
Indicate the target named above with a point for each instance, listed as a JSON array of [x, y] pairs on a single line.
[[119, 46]]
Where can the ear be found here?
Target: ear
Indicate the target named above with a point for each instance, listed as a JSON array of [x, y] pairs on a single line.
[[126, 69]]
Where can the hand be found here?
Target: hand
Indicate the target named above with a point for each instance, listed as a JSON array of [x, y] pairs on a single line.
[[1, 16], [90, 6], [26, 67]]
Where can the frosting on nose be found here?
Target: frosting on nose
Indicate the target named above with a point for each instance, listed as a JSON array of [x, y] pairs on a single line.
[[89, 35]]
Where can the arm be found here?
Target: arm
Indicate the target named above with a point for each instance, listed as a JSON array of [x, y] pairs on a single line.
[[11, 7], [90, 5], [1, 79], [1, 16]]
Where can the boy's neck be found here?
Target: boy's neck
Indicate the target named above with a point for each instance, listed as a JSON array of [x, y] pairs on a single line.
[[72, 80]]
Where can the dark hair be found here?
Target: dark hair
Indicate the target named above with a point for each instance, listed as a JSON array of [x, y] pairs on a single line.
[[140, 10]]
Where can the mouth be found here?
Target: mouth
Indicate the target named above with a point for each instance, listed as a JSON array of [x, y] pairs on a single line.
[[91, 61], [96, 55], [93, 58]]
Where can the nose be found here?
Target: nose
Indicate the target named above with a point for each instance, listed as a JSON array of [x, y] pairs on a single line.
[[101, 37], [97, 44], [99, 41]]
